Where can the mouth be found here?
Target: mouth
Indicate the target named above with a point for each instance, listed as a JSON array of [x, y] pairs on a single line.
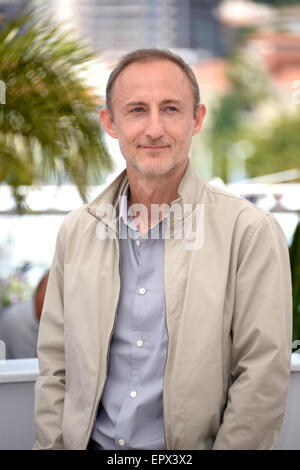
[[157, 147]]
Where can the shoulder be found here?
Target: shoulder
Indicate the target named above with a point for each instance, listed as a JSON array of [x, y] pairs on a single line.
[[239, 218], [231, 206], [74, 220], [225, 197]]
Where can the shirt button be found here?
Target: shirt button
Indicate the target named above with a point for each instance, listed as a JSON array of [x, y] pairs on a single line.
[[140, 343], [121, 442], [142, 290], [133, 394], [138, 242]]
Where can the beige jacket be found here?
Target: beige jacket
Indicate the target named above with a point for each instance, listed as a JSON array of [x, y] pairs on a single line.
[[228, 312]]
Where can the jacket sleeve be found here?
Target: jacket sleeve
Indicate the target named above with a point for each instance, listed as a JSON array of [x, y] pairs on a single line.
[[261, 339], [50, 385]]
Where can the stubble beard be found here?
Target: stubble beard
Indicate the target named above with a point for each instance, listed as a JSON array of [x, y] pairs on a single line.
[[145, 169], [153, 170]]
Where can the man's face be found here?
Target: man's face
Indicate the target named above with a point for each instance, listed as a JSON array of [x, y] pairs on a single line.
[[153, 117]]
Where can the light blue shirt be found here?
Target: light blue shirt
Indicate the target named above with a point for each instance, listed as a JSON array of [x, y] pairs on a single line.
[[130, 414]]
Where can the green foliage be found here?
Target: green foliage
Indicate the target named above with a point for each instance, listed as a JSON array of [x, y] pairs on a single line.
[[49, 129], [295, 271], [14, 289], [277, 149], [234, 110], [237, 116]]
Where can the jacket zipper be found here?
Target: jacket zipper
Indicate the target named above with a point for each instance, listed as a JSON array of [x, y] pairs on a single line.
[[164, 416], [107, 357], [94, 415]]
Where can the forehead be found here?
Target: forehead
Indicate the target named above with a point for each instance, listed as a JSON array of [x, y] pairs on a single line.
[[157, 80]]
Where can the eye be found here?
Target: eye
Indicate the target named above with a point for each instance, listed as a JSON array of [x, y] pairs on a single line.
[[137, 110], [171, 108]]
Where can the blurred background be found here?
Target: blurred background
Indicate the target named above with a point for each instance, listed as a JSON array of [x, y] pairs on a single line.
[[55, 59]]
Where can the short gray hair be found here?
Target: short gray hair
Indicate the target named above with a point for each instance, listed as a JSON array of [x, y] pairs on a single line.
[[152, 55]]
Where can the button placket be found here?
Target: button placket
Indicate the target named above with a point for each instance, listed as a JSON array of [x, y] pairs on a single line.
[[140, 268]]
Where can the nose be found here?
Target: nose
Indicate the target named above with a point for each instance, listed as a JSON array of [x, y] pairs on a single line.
[[155, 129]]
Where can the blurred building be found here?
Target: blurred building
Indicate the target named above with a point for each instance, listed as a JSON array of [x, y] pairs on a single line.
[[280, 52], [277, 52], [119, 26], [238, 15], [274, 43], [204, 30]]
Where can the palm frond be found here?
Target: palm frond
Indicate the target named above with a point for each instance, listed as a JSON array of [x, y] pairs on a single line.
[[49, 129]]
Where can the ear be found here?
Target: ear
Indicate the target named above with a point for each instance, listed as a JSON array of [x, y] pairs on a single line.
[[107, 122], [199, 118]]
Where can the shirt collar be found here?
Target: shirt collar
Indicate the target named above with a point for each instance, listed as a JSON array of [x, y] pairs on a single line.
[[123, 209], [128, 219]]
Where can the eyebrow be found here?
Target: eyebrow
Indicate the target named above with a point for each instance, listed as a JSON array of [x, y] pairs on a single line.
[[142, 103]]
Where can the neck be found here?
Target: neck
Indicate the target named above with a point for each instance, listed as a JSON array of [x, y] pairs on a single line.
[[155, 189]]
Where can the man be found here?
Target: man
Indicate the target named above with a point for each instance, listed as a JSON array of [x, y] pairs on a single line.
[[171, 328], [19, 324]]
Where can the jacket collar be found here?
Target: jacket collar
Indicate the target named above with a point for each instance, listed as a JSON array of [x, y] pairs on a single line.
[[106, 206]]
